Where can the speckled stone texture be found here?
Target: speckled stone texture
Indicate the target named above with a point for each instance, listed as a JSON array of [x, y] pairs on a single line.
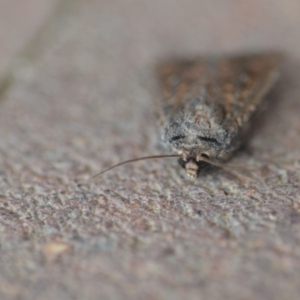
[[145, 231]]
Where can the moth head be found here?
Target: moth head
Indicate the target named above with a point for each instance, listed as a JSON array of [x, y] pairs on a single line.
[[193, 163], [187, 137]]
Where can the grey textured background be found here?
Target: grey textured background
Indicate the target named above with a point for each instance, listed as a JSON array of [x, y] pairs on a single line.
[[83, 101]]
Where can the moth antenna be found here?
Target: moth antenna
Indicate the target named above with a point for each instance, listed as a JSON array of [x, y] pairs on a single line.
[[133, 160], [231, 169]]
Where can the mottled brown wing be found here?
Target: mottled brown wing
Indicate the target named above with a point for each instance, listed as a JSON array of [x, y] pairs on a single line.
[[236, 83]]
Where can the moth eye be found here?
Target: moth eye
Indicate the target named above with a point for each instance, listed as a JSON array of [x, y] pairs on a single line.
[[177, 137], [208, 139]]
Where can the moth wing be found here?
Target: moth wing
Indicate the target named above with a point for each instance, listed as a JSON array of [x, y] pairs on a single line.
[[242, 83], [177, 78], [236, 84]]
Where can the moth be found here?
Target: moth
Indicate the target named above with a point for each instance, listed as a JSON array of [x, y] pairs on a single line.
[[207, 105]]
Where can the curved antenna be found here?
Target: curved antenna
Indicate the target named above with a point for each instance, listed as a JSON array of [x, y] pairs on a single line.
[[229, 168], [213, 163], [133, 160]]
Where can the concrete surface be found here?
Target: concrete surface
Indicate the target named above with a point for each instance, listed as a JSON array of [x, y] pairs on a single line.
[[144, 231]]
